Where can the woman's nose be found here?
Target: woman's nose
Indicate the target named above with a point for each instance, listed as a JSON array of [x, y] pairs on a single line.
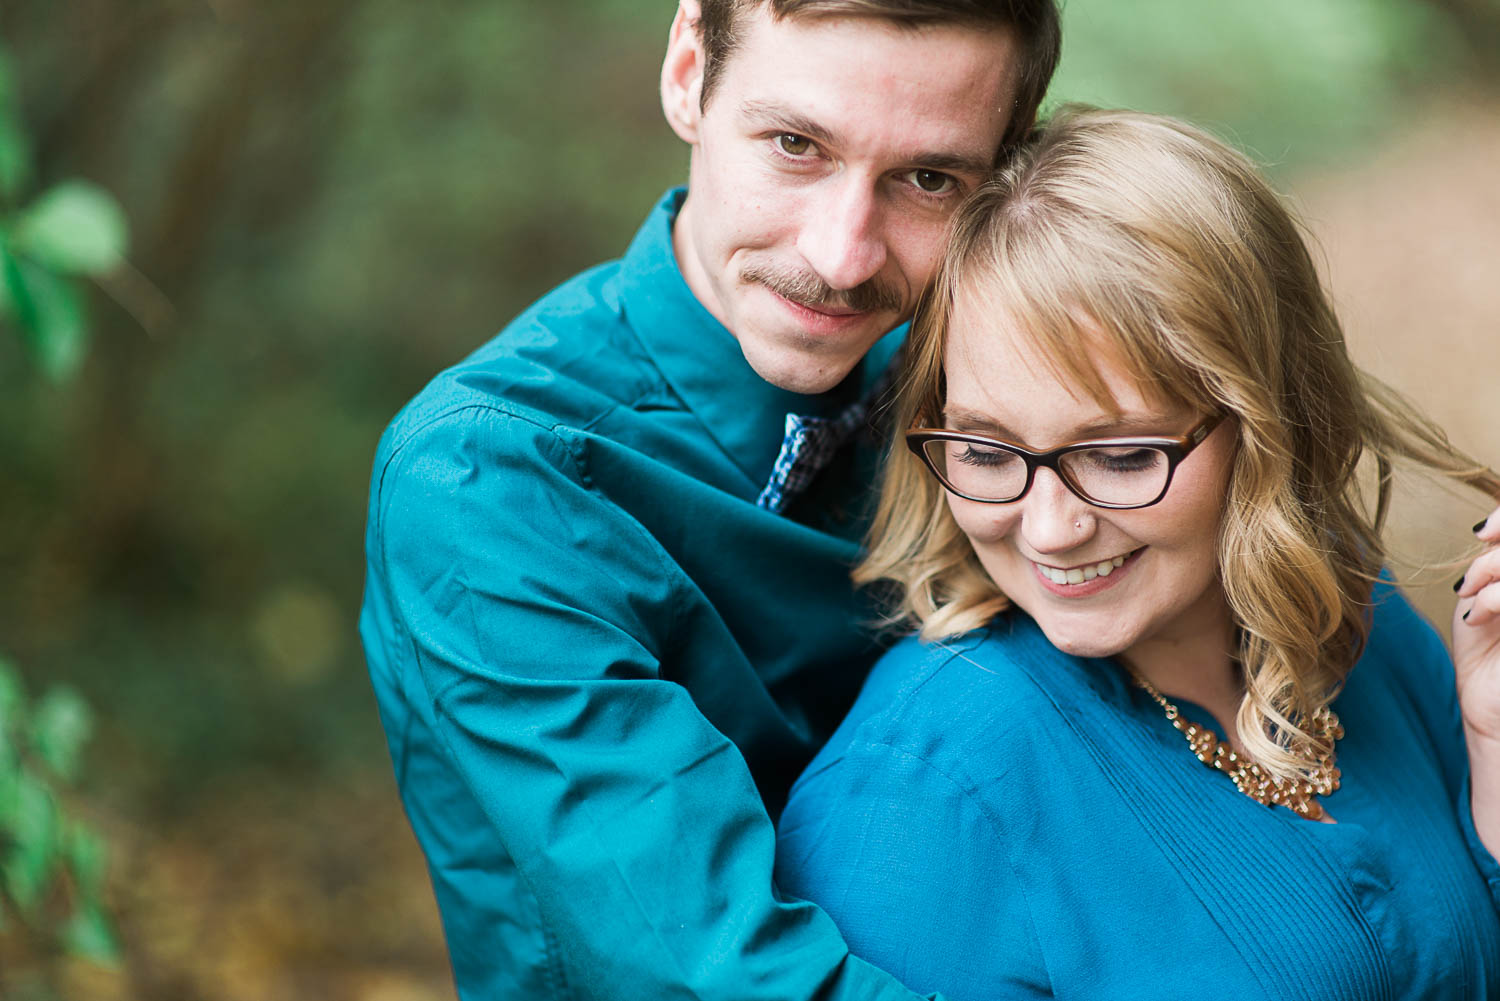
[[1054, 519]]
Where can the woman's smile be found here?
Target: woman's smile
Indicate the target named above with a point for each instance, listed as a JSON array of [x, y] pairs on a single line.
[[1085, 579]]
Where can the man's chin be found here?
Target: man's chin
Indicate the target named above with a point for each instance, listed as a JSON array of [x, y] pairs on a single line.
[[804, 372]]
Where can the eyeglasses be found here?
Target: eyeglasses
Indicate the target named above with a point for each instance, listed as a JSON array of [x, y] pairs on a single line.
[[1117, 473]]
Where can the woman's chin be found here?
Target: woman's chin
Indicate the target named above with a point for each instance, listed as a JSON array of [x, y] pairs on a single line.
[[1080, 642]]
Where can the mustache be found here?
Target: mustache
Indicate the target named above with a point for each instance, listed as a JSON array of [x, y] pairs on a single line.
[[807, 289]]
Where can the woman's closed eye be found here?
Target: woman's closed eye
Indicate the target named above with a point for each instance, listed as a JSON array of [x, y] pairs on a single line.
[[1125, 459], [984, 455]]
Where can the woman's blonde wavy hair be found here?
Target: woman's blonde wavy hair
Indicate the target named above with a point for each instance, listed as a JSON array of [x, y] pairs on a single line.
[[1171, 246]]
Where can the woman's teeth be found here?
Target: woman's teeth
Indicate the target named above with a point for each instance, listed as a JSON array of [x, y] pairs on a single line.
[[1077, 575]]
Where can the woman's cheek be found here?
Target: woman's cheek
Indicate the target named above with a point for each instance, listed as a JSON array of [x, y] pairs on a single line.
[[978, 521]]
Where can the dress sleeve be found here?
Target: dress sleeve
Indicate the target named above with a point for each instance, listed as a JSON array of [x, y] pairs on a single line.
[[1434, 690], [1483, 859], [915, 873], [530, 607]]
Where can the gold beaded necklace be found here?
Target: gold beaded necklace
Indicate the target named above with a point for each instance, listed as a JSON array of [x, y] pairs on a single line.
[[1299, 795]]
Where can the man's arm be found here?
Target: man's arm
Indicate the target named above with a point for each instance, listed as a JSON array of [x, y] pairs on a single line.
[[532, 608]]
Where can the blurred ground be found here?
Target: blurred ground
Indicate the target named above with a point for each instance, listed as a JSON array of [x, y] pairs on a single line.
[[265, 891]]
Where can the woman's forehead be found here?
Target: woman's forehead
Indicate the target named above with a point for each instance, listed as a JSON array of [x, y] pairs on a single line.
[[1001, 350]]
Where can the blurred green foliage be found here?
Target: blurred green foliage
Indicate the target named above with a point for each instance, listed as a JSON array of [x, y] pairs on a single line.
[[45, 851], [72, 229]]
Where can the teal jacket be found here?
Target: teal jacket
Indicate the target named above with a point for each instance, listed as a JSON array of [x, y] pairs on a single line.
[[599, 664], [1073, 847]]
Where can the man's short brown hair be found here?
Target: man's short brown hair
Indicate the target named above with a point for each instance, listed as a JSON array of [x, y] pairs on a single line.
[[1035, 23]]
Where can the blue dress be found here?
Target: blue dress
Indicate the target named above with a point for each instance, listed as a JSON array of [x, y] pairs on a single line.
[[997, 819]]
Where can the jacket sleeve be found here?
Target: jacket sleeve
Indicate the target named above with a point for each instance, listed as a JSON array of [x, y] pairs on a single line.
[[533, 610]]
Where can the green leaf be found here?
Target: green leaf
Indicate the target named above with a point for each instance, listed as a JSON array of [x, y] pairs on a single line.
[[86, 858], [74, 228], [14, 285], [10, 799], [49, 309], [88, 934], [60, 726], [33, 853]]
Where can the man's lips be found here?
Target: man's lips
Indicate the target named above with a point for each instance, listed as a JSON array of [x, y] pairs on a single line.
[[822, 318], [825, 309], [832, 310]]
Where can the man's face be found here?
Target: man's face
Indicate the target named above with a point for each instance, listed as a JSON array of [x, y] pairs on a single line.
[[824, 170]]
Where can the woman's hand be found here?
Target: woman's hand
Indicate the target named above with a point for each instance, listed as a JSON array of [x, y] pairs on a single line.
[[1476, 661], [1476, 638]]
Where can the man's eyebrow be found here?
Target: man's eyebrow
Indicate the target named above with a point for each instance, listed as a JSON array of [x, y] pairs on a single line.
[[779, 116], [782, 117], [954, 163]]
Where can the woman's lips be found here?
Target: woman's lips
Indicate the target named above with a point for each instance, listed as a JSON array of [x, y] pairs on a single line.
[[1086, 585]]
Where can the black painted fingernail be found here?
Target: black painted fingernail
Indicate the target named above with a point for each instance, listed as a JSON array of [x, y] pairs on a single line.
[[1466, 615], [1480, 527], [1459, 585]]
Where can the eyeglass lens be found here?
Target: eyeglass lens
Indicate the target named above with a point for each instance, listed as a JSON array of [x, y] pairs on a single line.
[[1109, 474]]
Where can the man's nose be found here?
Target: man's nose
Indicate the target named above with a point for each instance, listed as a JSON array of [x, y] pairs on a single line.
[[842, 237], [1054, 519]]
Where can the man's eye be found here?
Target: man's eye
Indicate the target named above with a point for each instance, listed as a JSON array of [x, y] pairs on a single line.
[[793, 145], [932, 182]]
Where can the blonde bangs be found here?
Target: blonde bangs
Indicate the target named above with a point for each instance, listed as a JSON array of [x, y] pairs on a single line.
[[1080, 309]]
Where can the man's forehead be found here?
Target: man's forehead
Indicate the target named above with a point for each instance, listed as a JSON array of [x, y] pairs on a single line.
[[894, 15], [842, 26], [940, 91]]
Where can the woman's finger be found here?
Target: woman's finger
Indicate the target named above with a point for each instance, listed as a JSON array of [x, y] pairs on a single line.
[[1483, 571], [1489, 528], [1483, 608]]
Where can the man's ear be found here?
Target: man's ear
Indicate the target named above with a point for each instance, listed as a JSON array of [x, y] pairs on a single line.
[[682, 73]]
